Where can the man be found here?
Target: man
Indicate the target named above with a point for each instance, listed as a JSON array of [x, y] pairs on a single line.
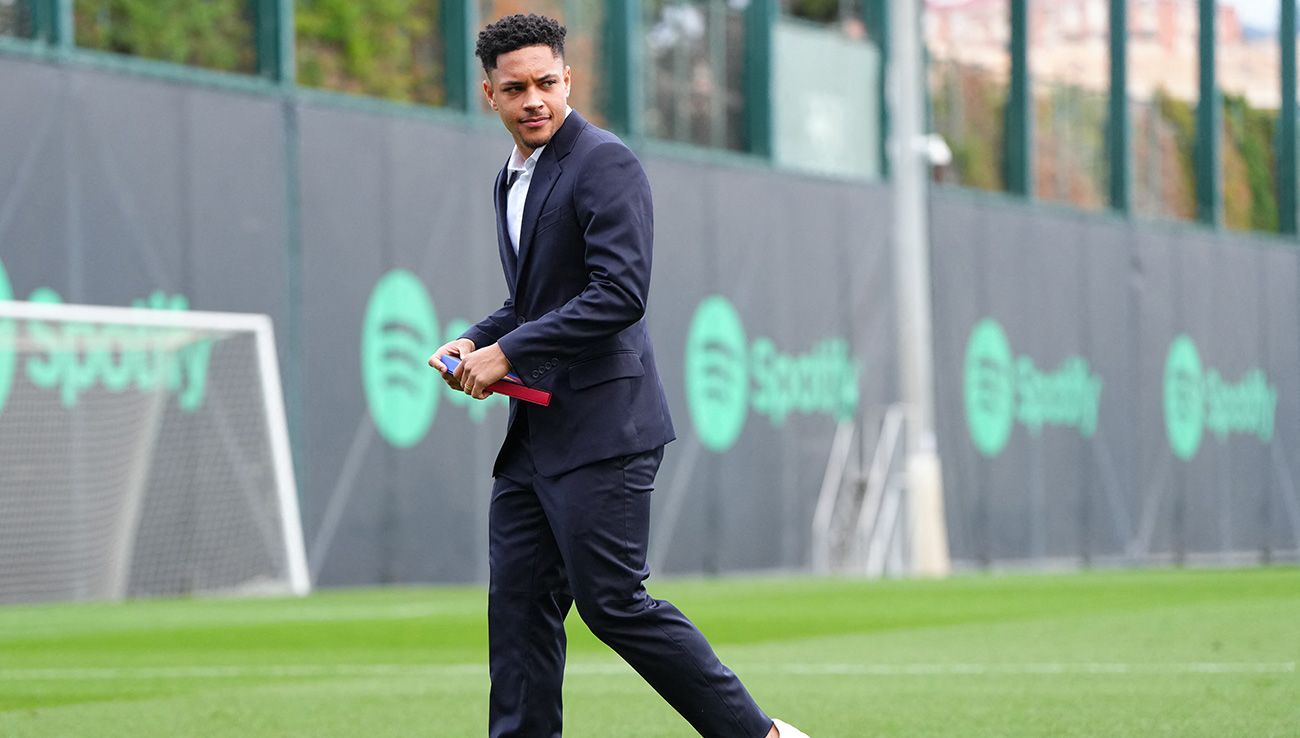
[[570, 509]]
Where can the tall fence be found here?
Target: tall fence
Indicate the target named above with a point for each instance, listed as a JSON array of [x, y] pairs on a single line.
[[1114, 393], [342, 222]]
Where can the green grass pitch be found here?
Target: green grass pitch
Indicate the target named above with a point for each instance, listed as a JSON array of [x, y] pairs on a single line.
[[1155, 653]]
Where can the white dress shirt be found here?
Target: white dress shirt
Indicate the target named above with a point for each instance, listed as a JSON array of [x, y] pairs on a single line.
[[518, 193], [522, 173]]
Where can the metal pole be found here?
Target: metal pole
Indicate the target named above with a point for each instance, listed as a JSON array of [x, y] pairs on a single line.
[[1019, 113], [52, 22], [760, 18], [912, 276], [623, 97], [1286, 130], [459, 33], [875, 14], [274, 36], [1209, 195], [1117, 139]]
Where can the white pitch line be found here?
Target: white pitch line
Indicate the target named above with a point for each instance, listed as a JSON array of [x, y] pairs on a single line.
[[430, 671]]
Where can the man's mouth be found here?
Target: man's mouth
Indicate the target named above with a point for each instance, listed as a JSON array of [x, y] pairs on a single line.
[[534, 122]]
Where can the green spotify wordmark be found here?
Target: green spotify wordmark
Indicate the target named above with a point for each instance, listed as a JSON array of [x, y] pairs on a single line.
[[78, 357], [74, 358], [399, 332], [1002, 389], [1197, 399], [727, 375], [8, 355]]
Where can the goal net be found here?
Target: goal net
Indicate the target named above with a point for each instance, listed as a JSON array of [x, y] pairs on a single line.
[[143, 453]]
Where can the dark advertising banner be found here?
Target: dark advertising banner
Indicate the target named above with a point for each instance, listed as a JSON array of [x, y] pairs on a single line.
[[1107, 392], [1112, 393]]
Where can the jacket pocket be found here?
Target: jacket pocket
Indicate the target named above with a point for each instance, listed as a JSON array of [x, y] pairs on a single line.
[[598, 369], [547, 220]]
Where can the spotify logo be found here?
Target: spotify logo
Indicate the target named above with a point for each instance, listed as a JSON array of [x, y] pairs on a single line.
[[1199, 399], [399, 331], [727, 375], [717, 384], [1184, 399], [8, 355], [1003, 389], [989, 387]]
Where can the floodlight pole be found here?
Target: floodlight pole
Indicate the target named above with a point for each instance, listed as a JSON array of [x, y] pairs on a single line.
[[908, 169]]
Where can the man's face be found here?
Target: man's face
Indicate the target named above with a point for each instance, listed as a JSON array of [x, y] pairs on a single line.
[[528, 89]]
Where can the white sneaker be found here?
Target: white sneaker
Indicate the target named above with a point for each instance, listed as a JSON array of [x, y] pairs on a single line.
[[787, 730]]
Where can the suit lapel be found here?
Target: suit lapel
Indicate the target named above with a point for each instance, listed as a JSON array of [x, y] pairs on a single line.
[[544, 177], [508, 258]]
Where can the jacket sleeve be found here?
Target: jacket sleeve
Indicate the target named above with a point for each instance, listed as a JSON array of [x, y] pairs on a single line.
[[613, 204], [490, 329]]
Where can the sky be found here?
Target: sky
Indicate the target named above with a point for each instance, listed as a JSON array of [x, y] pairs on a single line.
[[1260, 14]]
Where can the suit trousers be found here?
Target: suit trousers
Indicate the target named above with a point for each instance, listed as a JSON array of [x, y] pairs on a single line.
[[581, 538]]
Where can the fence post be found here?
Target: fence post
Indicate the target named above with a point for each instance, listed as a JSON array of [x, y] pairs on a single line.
[[1286, 130], [623, 100], [1019, 114], [1118, 129], [274, 34], [1209, 192], [459, 30], [760, 17]]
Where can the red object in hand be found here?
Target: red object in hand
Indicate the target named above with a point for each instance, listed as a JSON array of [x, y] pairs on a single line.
[[510, 386]]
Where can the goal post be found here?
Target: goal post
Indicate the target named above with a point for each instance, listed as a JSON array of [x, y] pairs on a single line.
[[143, 452]]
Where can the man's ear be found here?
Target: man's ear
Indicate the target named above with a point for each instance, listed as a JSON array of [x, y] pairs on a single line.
[[489, 93], [568, 81]]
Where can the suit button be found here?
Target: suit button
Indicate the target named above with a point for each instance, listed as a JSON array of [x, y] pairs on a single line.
[[519, 320]]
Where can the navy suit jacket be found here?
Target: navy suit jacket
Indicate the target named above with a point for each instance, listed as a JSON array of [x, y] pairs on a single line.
[[574, 323]]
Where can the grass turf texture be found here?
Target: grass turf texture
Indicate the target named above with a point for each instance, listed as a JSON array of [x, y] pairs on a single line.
[[1163, 653]]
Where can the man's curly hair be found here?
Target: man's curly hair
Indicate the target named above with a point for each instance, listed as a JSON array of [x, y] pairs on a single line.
[[515, 32]]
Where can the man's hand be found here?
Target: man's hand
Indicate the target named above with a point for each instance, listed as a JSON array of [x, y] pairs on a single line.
[[481, 369], [459, 348]]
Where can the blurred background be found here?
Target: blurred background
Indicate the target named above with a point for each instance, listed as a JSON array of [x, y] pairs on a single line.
[[1070, 281]]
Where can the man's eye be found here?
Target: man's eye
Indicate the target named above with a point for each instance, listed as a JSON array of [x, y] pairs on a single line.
[[548, 83]]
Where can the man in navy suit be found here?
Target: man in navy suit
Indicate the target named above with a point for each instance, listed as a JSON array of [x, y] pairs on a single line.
[[570, 511]]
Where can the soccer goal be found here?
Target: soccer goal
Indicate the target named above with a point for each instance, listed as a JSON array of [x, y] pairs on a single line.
[[143, 453]]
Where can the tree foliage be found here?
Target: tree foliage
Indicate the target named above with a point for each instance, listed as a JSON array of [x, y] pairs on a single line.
[[386, 48], [215, 34]]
